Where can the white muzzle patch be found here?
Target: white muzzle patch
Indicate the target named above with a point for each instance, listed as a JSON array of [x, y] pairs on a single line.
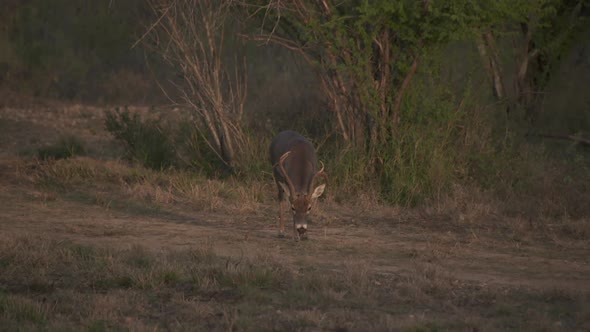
[[301, 228]]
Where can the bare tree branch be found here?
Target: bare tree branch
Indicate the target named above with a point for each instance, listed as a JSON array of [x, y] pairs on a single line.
[[194, 31]]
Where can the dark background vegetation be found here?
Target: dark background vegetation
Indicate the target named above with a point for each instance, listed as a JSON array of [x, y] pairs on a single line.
[[527, 143]]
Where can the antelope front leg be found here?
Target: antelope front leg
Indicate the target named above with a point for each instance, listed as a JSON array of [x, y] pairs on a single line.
[[281, 225]]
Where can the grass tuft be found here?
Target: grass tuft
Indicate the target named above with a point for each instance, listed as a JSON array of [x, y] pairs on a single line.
[[66, 147]]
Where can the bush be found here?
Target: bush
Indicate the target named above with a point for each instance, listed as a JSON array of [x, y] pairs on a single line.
[[146, 140], [193, 150]]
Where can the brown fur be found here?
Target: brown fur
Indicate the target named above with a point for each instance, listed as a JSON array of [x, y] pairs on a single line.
[[295, 176]]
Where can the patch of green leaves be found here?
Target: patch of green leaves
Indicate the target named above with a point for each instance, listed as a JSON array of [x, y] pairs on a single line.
[[146, 140]]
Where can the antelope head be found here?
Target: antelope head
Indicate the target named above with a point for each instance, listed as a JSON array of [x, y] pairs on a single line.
[[301, 199]]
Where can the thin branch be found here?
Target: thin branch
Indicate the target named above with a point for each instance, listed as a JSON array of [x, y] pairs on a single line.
[[152, 27]]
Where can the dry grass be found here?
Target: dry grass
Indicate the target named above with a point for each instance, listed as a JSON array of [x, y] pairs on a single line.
[[115, 185], [53, 285], [144, 185]]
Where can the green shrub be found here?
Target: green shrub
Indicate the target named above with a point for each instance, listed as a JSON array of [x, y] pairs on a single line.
[[193, 150], [420, 161], [146, 140]]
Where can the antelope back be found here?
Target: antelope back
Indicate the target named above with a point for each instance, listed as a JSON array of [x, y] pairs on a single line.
[[301, 164]]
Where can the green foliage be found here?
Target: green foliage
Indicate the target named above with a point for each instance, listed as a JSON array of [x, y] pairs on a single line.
[[420, 163], [414, 149], [194, 150], [255, 160], [349, 171], [146, 140], [359, 43], [157, 145], [554, 27], [66, 147]]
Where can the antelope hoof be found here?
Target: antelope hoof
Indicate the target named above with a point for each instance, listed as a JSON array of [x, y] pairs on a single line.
[[281, 235]]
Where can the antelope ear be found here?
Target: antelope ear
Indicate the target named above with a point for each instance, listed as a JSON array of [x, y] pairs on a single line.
[[319, 190], [285, 189]]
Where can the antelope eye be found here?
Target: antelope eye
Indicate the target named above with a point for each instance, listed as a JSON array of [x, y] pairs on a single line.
[[309, 208], [292, 207]]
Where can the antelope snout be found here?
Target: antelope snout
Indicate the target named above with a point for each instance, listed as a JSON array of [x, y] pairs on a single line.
[[301, 228]]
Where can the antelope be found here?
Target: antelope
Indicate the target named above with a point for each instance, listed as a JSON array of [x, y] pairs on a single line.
[[295, 172]]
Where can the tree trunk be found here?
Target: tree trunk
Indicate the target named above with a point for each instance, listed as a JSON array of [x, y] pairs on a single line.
[[486, 45]]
